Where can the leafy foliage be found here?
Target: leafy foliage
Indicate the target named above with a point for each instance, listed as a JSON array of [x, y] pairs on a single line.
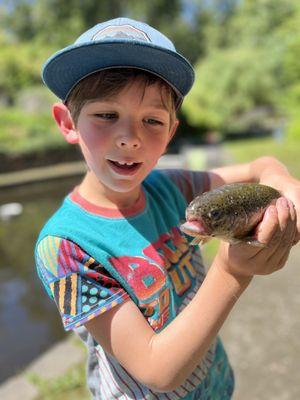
[[255, 67], [290, 75], [226, 88], [71, 386], [20, 67], [24, 132], [246, 53]]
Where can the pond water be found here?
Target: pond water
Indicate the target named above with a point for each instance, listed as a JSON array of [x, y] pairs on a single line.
[[29, 320]]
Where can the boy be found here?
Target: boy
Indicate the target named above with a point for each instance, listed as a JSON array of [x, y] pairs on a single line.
[[112, 257]]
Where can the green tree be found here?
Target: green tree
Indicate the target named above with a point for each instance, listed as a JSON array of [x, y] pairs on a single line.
[[54, 21], [248, 71], [230, 83], [20, 67], [289, 34], [57, 23]]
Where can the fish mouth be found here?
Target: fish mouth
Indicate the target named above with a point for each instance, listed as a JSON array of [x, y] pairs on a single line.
[[194, 227]]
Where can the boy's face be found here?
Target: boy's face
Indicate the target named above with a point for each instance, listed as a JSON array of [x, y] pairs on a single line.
[[122, 137]]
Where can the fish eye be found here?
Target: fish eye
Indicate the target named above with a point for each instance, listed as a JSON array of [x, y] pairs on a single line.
[[215, 214]]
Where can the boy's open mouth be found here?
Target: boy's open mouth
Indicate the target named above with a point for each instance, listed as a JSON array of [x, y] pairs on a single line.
[[126, 168]]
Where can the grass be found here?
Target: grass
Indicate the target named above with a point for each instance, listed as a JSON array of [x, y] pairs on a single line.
[[71, 386], [22, 132], [240, 151], [209, 250], [247, 150]]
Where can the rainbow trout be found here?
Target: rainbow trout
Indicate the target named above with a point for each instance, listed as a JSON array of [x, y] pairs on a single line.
[[230, 212]]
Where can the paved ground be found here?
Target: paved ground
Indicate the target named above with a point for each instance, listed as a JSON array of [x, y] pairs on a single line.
[[262, 336], [51, 365]]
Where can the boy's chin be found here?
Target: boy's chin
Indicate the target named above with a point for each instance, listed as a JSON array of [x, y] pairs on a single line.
[[125, 188], [122, 186]]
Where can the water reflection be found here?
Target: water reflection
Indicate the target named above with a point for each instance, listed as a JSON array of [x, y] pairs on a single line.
[[29, 321]]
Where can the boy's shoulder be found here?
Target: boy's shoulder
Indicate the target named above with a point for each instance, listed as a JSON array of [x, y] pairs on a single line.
[[166, 182], [58, 219]]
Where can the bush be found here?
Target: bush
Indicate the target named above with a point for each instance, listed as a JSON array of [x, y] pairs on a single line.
[[22, 132], [230, 84], [20, 67]]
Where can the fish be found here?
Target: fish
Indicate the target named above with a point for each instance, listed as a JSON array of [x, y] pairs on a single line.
[[230, 212]]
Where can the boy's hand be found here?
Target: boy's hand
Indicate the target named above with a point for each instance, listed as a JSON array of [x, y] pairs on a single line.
[[277, 230], [289, 187]]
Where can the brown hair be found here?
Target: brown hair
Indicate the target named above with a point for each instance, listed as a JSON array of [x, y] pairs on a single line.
[[109, 82]]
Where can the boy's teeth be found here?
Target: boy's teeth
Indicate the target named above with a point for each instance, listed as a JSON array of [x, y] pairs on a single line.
[[125, 163]]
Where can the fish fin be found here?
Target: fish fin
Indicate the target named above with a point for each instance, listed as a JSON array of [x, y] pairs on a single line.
[[205, 240], [195, 241], [200, 240]]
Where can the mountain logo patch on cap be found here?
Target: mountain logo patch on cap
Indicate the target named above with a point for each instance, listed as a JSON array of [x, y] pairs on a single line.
[[121, 32]]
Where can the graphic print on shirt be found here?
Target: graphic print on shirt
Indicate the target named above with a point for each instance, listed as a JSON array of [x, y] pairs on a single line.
[[164, 266], [76, 281]]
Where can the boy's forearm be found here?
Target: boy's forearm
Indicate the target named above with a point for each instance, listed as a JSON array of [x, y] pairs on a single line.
[[163, 361], [194, 329], [253, 171]]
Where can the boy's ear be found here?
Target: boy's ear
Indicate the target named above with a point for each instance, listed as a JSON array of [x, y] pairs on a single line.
[[173, 129], [65, 123]]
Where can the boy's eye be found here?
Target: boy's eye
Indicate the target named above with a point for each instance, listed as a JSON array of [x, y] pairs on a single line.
[[107, 116], [153, 121]]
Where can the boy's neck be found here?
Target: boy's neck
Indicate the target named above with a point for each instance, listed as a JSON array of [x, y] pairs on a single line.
[[96, 193]]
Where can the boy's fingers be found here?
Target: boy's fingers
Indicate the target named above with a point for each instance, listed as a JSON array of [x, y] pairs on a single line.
[[293, 214], [283, 233], [279, 257], [287, 231], [287, 221], [283, 210], [292, 210], [268, 228], [278, 227]]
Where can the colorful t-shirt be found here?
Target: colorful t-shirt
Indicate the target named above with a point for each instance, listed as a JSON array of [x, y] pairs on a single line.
[[91, 258]]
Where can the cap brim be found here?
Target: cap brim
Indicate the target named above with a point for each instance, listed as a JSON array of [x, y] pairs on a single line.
[[70, 65]]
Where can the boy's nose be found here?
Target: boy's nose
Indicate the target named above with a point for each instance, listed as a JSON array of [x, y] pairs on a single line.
[[128, 140]]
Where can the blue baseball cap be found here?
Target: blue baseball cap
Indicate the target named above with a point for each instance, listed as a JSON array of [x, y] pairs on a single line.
[[117, 43]]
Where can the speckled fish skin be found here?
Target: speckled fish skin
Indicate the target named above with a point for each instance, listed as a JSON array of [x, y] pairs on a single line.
[[230, 212]]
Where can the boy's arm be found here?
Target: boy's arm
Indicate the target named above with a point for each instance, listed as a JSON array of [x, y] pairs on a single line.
[[162, 361], [254, 171], [265, 170]]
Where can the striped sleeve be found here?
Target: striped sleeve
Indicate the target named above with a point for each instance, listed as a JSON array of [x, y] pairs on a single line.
[[79, 285], [190, 183]]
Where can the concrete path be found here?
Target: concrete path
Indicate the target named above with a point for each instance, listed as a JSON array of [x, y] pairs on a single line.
[[69, 169], [51, 365], [41, 174], [262, 336]]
